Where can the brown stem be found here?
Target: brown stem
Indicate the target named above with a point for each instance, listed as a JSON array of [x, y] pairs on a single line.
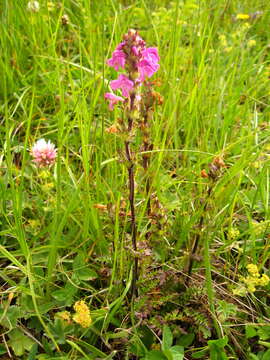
[[134, 289]]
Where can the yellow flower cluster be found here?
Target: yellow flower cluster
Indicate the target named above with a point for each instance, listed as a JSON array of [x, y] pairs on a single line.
[[233, 233], [64, 315], [242, 16], [254, 279], [82, 314], [251, 43]]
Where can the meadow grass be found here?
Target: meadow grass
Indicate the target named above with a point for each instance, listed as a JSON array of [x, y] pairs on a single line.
[[65, 231]]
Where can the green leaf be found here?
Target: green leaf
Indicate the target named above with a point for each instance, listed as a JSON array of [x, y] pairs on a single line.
[[200, 354], [3, 349], [167, 338], [220, 343], [81, 269], [65, 296], [177, 352], [253, 357], [186, 340], [33, 352], [250, 331], [19, 342], [264, 332], [155, 355], [168, 354], [92, 348], [266, 355], [9, 318]]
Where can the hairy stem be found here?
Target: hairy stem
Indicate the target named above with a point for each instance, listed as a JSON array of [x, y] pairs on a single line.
[[133, 217]]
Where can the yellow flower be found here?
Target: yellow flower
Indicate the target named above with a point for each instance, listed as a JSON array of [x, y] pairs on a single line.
[[264, 280], [233, 233], [242, 16], [251, 43], [82, 316], [82, 319], [64, 315], [251, 283], [50, 6], [251, 288], [246, 25], [223, 40], [253, 270]]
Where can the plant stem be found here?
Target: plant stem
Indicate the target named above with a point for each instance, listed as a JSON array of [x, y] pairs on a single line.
[[197, 239], [209, 287], [134, 289]]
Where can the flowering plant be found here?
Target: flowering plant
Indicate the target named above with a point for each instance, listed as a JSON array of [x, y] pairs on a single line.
[[139, 63], [44, 153]]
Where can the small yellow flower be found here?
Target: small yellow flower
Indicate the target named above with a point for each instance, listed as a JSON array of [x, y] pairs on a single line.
[[233, 233], [251, 43], [223, 40], [50, 6], [242, 16], [264, 280], [253, 270], [246, 25], [82, 315], [64, 315]]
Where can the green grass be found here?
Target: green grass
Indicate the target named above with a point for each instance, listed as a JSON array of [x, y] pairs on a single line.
[[57, 247]]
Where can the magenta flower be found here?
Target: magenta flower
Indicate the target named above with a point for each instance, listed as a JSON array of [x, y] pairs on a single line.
[[147, 69], [149, 63], [122, 83], [117, 60], [44, 153], [114, 99], [151, 54]]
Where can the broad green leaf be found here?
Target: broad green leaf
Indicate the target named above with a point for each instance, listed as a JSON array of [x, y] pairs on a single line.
[[167, 338], [177, 352], [266, 355], [264, 332], [250, 331], [220, 343], [19, 342], [9, 317], [33, 352], [81, 269], [186, 340]]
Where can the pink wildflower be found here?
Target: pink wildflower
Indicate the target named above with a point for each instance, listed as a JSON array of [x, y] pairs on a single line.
[[122, 83], [147, 69], [149, 63], [44, 153], [117, 60], [114, 99], [151, 54]]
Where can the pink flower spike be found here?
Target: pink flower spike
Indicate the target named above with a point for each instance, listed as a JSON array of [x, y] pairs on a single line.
[[147, 69], [121, 45], [117, 60], [135, 50], [122, 83], [114, 99], [44, 153], [151, 54]]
